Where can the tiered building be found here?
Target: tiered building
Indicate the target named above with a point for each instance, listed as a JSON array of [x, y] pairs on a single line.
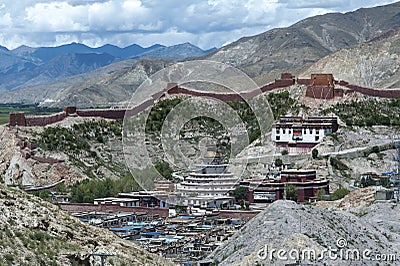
[[209, 185]]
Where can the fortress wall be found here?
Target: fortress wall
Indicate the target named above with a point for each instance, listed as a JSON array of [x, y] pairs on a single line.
[[280, 83], [104, 113], [140, 108], [228, 97], [318, 92], [338, 92], [322, 80], [383, 93], [46, 160], [44, 120], [17, 119], [303, 81], [287, 76]]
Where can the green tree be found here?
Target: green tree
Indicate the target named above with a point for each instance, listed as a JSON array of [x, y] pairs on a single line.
[[61, 188], [278, 162], [43, 194], [339, 193], [240, 194], [385, 182], [87, 190], [181, 209], [164, 169], [291, 192], [314, 153], [367, 181], [320, 195]]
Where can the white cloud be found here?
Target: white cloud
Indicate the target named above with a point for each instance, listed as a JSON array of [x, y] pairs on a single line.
[[123, 22], [56, 17], [6, 20]]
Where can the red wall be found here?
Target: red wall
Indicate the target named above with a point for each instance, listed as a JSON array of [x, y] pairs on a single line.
[[173, 89], [303, 81], [383, 93], [90, 207], [44, 120], [46, 160], [241, 215], [320, 92], [105, 113], [17, 119]]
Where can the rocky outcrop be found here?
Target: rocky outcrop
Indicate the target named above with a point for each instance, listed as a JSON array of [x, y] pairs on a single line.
[[35, 232], [23, 164], [289, 226], [372, 64]]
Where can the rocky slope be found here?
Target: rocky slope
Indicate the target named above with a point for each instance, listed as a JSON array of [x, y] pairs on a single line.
[[372, 64], [35, 232], [104, 87], [286, 225], [306, 41], [16, 170]]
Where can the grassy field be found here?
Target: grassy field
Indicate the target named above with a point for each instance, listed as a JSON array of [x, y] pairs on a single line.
[[6, 109], [3, 119]]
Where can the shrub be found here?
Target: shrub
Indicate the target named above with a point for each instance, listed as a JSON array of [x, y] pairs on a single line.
[[339, 193], [338, 165], [240, 194], [291, 192], [278, 162], [314, 153]]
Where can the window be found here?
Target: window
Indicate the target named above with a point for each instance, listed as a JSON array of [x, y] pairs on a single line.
[[278, 137], [316, 138], [278, 131], [283, 131]]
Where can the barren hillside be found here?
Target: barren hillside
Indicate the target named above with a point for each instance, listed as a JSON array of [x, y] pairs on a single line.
[[35, 232]]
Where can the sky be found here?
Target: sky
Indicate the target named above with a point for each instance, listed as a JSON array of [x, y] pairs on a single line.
[[207, 24]]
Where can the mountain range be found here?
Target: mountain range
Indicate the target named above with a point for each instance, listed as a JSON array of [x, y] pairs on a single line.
[[313, 44], [27, 66]]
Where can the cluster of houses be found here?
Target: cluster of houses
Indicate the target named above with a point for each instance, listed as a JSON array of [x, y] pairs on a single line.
[[187, 219]]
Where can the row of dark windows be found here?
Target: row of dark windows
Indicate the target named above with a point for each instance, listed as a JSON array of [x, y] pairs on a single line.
[[279, 138], [290, 131]]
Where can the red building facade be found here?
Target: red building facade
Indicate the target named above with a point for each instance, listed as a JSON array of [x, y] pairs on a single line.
[[305, 181]]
